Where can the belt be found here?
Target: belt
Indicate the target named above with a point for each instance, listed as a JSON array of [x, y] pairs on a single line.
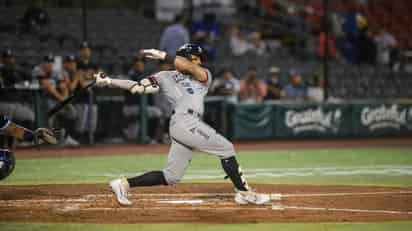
[[191, 112]]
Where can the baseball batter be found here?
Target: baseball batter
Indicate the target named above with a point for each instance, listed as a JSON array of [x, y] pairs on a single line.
[[185, 88]]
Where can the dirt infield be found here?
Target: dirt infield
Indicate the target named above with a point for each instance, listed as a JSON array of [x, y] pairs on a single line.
[[203, 203], [136, 149]]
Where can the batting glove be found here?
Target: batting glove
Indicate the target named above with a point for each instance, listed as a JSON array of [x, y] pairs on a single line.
[[102, 79], [154, 54]]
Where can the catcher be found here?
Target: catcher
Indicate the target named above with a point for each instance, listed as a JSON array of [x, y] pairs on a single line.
[[185, 88], [8, 128]]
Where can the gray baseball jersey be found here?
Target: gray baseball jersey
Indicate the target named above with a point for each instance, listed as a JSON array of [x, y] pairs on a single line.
[[183, 91], [187, 131]]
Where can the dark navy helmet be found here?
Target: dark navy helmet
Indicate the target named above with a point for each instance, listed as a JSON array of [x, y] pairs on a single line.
[[189, 49], [7, 163]]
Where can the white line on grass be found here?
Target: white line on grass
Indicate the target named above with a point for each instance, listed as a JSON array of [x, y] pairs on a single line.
[[388, 170]]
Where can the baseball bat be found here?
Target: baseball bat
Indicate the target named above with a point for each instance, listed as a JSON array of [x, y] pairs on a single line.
[[61, 105]]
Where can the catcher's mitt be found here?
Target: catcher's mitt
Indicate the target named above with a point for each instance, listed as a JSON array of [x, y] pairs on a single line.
[[44, 135]]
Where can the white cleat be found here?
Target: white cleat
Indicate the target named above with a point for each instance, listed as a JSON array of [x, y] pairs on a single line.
[[120, 188], [251, 197]]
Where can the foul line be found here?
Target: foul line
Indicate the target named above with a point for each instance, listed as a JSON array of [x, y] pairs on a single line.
[[267, 208], [143, 196], [274, 207], [284, 207], [345, 194], [273, 195]]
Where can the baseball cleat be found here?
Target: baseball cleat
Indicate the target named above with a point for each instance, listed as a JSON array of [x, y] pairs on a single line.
[[251, 197], [120, 188]]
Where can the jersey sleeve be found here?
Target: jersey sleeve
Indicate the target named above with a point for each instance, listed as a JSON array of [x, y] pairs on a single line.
[[208, 82], [4, 122], [160, 78]]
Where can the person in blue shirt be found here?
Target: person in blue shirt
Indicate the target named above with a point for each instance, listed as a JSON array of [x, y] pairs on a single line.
[[295, 89], [205, 33]]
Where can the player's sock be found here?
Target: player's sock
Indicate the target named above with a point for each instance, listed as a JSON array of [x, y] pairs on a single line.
[[234, 172], [148, 179]]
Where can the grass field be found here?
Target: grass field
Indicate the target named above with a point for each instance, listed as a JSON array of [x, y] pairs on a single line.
[[370, 166]]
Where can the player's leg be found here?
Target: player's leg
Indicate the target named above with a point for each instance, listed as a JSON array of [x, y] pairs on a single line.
[[178, 160], [206, 139]]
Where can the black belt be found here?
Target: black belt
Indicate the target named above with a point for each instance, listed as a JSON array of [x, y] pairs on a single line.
[[191, 112]]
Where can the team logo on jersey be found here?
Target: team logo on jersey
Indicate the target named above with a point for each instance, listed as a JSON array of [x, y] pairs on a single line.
[[178, 78]]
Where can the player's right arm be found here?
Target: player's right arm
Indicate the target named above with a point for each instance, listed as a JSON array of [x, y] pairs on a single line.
[[184, 65], [181, 64], [145, 86]]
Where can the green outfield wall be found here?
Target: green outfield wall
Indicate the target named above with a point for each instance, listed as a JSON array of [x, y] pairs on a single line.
[[297, 120]]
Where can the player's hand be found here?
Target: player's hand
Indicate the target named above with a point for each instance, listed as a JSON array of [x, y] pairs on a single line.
[[44, 135], [154, 54], [102, 79]]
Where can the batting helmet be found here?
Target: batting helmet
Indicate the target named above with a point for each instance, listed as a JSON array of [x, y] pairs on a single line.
[[7, 163], [189, 49]]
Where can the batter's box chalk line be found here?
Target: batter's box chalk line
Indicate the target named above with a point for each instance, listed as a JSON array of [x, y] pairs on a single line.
[[285, 207]]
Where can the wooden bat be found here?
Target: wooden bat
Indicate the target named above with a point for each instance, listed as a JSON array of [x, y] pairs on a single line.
[[61, 105]]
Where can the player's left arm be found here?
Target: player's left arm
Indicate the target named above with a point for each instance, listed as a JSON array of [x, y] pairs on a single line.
[[145, 86], [184, 65]]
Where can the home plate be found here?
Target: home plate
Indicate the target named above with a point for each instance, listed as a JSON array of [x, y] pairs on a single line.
[[182, 202]]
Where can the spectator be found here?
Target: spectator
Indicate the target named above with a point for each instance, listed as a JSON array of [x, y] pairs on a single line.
[[252, 89], [131, 110], [13, 104], [240, 44], [366, 46], [227, 86], [315, 89], [34, 17], [86, 69], [174, 36], [270, 7], [87, 108], [10, 74], [84, 63], [274, 89], [72, 75], [137, 71], [386, 47], [76, 82], [258, 45], [205, 33], [56, 90], [313, 14], [295, 89], [354, 26], [332, 53]]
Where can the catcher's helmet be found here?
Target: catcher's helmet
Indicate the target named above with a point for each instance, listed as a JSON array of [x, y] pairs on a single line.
[[7, 163], [189, 49]]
